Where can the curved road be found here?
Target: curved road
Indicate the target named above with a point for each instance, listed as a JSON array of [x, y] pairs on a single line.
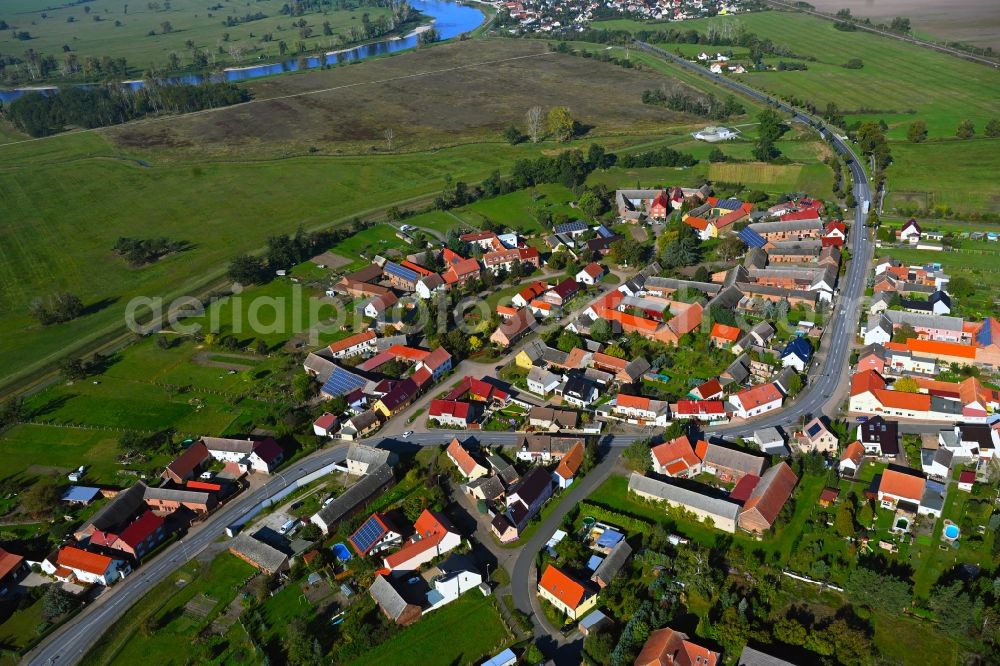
[[813, 398], [69, 643]]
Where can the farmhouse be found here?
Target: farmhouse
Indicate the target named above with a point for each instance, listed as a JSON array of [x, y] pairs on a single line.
[[354, 499], [720, 512], [756, 400], [767, 499], [464, 461], [676, 458], [74, 564], [433, 536], [667, 647]]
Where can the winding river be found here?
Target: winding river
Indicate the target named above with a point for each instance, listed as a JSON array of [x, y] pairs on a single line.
[[450, 19]]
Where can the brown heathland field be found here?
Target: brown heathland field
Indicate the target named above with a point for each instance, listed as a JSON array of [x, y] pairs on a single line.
[[452, 93]]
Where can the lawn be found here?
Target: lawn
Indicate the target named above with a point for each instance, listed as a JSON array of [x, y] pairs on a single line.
[[977, 261], [361, 248], [519, 210], [908, 642], [464, 632], [127, 644], [20, 628], [52, 26], [41, 449]]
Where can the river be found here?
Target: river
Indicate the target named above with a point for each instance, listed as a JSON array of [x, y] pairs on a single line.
[[450, 19]]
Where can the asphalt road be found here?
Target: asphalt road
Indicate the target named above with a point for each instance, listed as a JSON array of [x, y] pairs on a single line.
[[69, 643], [845, 319]]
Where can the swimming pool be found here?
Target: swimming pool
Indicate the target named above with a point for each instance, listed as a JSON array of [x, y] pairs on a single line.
[[341, 552], [951, 531]]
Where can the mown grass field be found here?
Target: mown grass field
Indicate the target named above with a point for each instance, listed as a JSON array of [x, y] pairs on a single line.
[[147, 389], [51, 27], [466, 631], [32, 450], [947, 175]]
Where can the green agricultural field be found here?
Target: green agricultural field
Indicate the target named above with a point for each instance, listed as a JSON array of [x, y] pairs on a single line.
[[898, 78], [944, 175], [77, 26], [464, 632], [979, 262], [216, 582], [65, 208]]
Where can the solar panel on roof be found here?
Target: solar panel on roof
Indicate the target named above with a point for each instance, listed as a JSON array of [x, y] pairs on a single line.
[[605, 232], [814, 429], [400, 271], [730, 204], [751, 238], [368, 535], [342, 382]]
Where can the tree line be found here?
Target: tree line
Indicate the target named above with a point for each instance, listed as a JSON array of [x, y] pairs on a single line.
[[686, 102], [140, 251], [39, 114]]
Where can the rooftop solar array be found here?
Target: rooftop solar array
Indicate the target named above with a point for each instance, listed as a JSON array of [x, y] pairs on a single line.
[[400, 272], [985, 335], [751, 238], [729, 204], [814, 429], [604, 232], [570, 227], [342, 382], [369, 534]]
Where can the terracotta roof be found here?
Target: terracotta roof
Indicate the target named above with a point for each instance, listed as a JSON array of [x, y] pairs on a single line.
[[325, 421], [723, 332], [533, 290], [562, 587], [431, 528], [756, 396], [411, 354], [855, 452], [461, 456], [955, 349], [667, 647], [708, 389], [632, 401], [774, 489], [506, 311], [686, 321], [918, 402], [869, 380], [674, 450], [351, 341], [82, 560], [898, 484], [438, 357], [9, 562], [452, 408], [594, 270], [744, 488], [571, 462]]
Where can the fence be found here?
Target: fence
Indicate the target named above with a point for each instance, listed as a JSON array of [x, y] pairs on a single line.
[[290, 488]]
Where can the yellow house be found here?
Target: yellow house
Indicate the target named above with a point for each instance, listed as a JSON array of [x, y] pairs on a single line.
[[569, 596], [398, 399], [532, 352]]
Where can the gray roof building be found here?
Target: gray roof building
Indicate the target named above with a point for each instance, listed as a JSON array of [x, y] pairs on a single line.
[[354, 498], [259, 554], [752, 657], [721, 511], [612, 564], [392, 603]]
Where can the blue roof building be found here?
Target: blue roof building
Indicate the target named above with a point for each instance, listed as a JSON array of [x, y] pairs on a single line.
[[571, 228], [403, 273], [81, 494], [797, 354], [342, 382]]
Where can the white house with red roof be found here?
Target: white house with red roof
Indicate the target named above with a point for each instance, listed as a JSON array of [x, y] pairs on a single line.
[[433, 536], [641, 410], [325, 425], [756, 400], [676, 458], [708, 411], [438, 362], [463, 460], [834, 234], [72, 564], [591, 274], [455, 413]]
